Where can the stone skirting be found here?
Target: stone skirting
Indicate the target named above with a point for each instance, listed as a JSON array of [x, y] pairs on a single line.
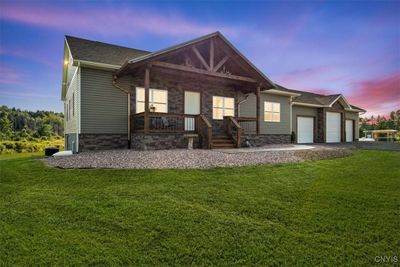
[[265, 139], [102, 141], [161, 141]]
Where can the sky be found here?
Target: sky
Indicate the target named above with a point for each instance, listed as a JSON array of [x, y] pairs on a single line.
[[328, 47]]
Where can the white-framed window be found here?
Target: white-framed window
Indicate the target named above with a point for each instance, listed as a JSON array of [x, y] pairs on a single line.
[[223, 106], [66, 111], [69, 110], [272, 111], [158, 100], [73, 104]]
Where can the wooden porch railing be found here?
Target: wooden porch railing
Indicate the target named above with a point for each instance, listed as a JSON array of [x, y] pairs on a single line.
[[173, 123], [233, 129], [248, 124], [205, 130], [164, 122]]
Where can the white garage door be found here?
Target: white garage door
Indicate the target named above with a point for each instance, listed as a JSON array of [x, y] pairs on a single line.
[[332, 127], [349, 130], [305, 130]]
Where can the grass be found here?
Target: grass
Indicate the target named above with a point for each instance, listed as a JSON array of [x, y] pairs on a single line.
[[332, 212]]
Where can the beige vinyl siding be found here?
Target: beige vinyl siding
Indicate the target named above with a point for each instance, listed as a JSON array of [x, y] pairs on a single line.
[[73, 93], [302, 111], [248, 109], [70, 70], [104, 107], [354, 116], [281, 127]]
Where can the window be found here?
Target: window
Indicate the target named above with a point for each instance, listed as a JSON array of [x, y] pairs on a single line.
[[272, 111], [66, 111], [73, 104], [223, 106], [158, 100], [69, 111]]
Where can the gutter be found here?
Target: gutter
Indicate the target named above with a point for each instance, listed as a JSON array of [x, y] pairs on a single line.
[[114, 82]]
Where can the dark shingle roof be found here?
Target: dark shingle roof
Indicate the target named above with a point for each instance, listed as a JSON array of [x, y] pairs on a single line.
[[93, 51], [313, 98]]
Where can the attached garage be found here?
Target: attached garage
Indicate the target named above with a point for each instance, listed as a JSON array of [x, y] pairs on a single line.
[[333, 128], [305, 130], [349, 130]]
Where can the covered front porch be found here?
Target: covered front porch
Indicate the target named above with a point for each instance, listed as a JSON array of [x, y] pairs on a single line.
[[195, 89]]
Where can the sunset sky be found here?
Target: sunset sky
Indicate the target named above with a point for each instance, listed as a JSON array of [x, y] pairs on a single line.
[[328, 47]]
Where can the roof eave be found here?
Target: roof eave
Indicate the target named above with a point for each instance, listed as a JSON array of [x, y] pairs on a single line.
[[280, 92]]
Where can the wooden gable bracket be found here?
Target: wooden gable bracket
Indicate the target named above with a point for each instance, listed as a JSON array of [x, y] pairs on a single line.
[[219, 65], [200, 57], [210, 65], [167, 65]]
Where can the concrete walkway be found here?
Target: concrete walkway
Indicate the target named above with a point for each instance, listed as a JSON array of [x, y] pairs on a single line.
[[264, 149]]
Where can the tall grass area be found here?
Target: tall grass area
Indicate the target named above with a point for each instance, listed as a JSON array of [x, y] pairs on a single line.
[[31, 144]]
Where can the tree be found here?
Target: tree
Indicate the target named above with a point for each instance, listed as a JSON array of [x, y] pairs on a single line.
[[5, 125], [45, 130]]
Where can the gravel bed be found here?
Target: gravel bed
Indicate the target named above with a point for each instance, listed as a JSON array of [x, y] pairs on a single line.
[[186, 159]]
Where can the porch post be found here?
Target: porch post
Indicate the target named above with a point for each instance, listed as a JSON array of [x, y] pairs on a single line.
[[146, 99], [258, 110]]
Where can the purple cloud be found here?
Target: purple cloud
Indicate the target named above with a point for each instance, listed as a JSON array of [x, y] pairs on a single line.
[[109, 21]]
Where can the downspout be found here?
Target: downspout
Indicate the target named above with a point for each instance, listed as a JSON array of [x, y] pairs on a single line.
[[240, 102], [114, 82]]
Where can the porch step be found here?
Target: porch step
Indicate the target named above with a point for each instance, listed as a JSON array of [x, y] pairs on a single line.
[[223, 145], [222, 141]]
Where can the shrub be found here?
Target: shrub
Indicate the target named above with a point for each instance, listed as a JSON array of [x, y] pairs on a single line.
[[32, 145]]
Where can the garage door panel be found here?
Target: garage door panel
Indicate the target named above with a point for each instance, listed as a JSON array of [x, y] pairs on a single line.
[[333, 127], [305, 130]]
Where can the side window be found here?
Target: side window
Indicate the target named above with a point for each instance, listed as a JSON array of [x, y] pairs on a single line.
[[272, 112]]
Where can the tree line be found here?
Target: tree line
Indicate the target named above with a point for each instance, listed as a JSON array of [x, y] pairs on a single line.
[[17, 124]]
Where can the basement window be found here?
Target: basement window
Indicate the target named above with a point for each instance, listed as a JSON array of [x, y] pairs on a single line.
[[272, 112], [223, 106], [158, 100]]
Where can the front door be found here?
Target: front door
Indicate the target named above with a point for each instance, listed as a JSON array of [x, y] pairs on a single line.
[[192, 107]]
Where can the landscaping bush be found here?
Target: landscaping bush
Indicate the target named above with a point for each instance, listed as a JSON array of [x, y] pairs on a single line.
[[30, 145]]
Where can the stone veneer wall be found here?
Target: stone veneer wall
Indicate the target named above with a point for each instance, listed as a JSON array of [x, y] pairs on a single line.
[[319, 138], [160, 141], [265, 139], [102, 141]]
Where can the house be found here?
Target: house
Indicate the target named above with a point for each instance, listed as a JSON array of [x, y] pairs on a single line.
[[118, 97]]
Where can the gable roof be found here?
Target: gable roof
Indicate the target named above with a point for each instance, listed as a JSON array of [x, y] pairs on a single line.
[[118, 57], [153, 55], [98, 52], [318, 100]]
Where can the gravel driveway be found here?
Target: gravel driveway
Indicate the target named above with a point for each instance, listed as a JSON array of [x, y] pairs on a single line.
[[185, 159]]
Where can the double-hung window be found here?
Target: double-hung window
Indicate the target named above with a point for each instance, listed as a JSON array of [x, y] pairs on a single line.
[[272, 111], [223, 106], [158, 100]]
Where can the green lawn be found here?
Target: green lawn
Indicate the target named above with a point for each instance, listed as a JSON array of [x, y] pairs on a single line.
[[332, 212]]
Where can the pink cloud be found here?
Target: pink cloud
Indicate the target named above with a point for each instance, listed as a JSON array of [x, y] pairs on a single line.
[[26, 54], [9, 75], [303, 76], [379, 96], [110, 21]]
